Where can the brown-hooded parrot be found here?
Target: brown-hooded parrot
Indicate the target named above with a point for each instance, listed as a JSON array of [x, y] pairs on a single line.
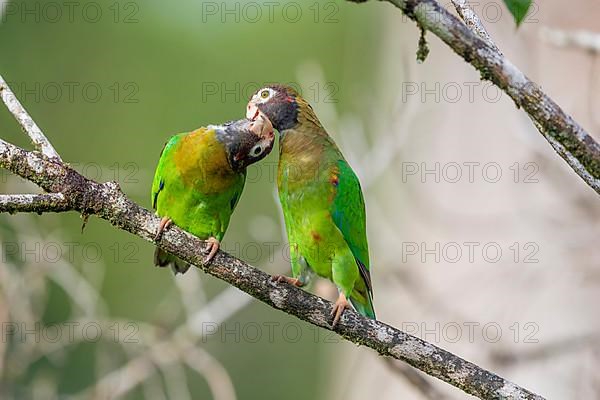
[[322, 200], [200, 177]]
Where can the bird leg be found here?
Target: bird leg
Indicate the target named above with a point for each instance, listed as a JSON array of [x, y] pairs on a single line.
[[292, 281], [213, 247], [165, 222], [338, 308]]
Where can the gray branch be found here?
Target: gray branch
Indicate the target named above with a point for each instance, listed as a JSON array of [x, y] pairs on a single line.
[[564, 134], [48, 202], [27, 123], [107, 201], [473, 22]]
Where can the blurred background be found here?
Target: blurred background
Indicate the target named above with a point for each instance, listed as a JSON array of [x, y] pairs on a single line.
[[483, 241]]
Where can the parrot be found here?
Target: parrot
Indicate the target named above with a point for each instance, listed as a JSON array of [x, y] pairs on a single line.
[[199, 180], [322, 201]]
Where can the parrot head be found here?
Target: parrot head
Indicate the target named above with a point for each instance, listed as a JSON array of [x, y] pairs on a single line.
[[280, 104], [245, 141]]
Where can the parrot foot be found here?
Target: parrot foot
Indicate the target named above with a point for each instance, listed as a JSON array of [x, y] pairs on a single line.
[[338, 308], [292, 281], [211, 250], [165, 222]]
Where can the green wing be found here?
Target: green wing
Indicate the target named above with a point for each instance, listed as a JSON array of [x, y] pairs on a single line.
[[161, 257], [158, 183], [348, 212]]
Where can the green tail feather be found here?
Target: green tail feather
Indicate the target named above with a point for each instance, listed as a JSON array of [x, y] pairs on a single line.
[[365, 309], [164, 259]]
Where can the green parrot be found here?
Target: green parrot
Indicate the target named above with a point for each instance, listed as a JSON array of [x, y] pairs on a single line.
[[200, 177], [322, 201]]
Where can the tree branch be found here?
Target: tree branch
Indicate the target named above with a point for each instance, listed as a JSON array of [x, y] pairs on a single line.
[[585, 40], [568, 139], [473, 22], [38, 203], [27, 123], [108, 202]]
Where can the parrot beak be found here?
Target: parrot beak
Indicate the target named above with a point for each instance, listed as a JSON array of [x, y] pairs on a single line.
[[261, 126], [252, 111]]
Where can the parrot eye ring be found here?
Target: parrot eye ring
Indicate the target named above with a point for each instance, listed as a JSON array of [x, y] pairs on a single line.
[[256, 150], [265, 94]]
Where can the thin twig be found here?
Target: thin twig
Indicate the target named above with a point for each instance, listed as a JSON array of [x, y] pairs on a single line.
[[29, 126], [218, 310], [585, 40], [472, 20], [216, 375], [165, 354]]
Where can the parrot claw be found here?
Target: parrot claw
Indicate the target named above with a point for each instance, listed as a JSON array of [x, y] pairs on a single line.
[[213, 247], [165, 222], [292, 281], [338, 308]]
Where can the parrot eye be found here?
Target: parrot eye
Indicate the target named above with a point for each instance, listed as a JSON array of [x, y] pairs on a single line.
[[265, 94], [256, 150]]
